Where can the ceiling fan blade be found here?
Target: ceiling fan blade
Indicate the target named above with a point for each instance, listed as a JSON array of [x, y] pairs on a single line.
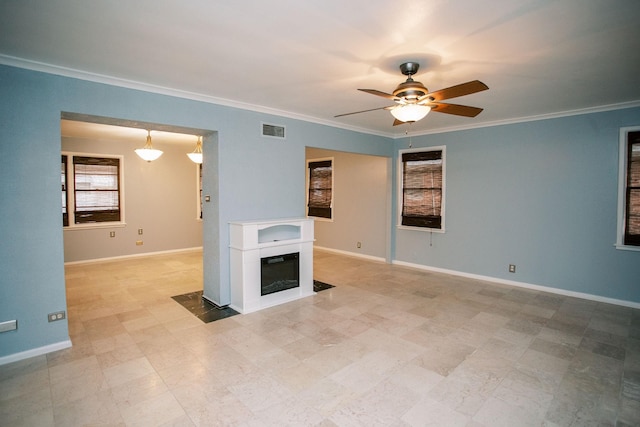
[[379, 93], [365, 111], [454, 91], [458, 110], [397, 122]]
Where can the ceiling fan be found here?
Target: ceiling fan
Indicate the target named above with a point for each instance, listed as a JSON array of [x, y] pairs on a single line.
[[413, 101]]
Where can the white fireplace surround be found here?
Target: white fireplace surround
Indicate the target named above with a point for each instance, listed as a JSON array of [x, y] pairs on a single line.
[[250, 241]]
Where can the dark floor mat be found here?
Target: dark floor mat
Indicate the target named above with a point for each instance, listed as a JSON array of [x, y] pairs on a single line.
[[321, 286], [203, 309]]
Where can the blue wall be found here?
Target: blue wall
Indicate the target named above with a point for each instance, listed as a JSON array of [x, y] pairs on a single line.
[[248, 176], [541, 195]]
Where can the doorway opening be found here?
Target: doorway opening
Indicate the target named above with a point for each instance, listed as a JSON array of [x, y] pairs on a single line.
[[161, 202]]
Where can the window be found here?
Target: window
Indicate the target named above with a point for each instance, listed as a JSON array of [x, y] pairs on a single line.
[[199, 189], [320, 196], [65, 199], [91, 189], [629, 189], [422, 188]]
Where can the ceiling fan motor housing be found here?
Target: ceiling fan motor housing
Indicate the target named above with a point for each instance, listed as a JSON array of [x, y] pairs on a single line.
[[410, 90]]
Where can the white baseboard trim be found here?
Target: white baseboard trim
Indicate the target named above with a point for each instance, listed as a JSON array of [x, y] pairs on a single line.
[[514, 283], [35, 352], [125, 257], [353, 254]]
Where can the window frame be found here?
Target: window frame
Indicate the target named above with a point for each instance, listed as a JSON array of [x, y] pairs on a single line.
[[308, 184], [64, 181], [71, 190], [199, 196], [400, 187], [623, 170]]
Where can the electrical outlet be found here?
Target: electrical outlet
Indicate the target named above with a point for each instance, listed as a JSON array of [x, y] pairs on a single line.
[[512, 268], [112, 234], [140, 231], [58, 315], [358, 245]]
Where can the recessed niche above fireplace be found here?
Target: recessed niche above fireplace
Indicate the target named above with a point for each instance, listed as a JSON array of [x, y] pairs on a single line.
[[271, 262]]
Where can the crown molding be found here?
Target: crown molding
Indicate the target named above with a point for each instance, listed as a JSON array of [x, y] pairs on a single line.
[[146, 87], [162, 90], [524, 119]]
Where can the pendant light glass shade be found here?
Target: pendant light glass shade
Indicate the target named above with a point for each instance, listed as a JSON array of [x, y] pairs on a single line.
[[410, 112], [148, 153], [196, 155]]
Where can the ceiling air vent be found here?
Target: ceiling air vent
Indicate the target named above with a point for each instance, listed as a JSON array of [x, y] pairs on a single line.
[[273, 131]]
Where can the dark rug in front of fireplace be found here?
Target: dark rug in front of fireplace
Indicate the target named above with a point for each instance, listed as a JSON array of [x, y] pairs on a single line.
[[321, 286], [203, 309]]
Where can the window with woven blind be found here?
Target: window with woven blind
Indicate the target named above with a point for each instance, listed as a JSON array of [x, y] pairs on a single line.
[[65, 197], [320, 196], [632, 193], [422, 188]]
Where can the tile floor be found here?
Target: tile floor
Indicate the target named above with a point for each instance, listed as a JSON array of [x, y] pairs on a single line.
[[388, 346]]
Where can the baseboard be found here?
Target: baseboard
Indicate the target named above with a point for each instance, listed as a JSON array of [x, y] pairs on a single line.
[[525, 285], [35, 352], [353, 254], [131, 256]]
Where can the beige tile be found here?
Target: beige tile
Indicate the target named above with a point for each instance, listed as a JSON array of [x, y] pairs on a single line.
[[104, 345], [161, 409], [24, 383], [539, 370], [25, 366], [92, 409], [289, 412], [383, 405], [430, 413], [299, 377], [126, 371], [162, 358], [225, 407], [131, 393], [496, 412], [76, 387], [388, 345], [258, 391], [415, 378], [326, 396], [32, 408], [465, 391], [74, 369], [187, 373], [119, 355]]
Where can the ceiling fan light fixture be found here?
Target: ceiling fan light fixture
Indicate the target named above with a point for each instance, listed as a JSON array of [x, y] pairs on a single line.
[[410, 112], [147, 152], [196, 155]]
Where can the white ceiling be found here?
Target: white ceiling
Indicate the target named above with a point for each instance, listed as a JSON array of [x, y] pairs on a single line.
[[306, 59]]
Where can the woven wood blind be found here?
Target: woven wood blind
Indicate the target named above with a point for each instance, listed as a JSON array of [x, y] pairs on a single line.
[[320, 181], [422, 189], [632, 220]]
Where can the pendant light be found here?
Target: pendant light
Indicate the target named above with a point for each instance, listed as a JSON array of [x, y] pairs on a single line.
[[148, 153], [410, 112], [196, 155]]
